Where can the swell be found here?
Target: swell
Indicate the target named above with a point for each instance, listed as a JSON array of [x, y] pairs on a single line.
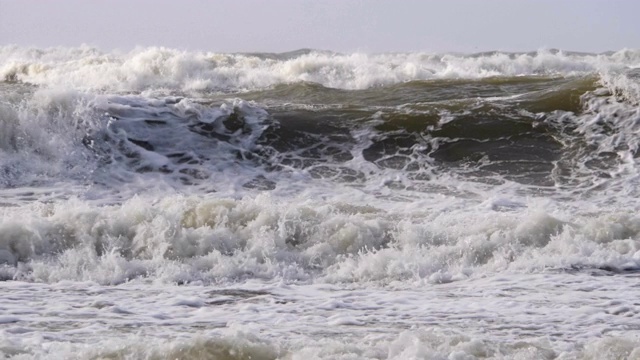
[[525, 129], [543, 93]]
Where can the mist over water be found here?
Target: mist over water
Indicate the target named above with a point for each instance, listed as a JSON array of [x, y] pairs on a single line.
[[399, 205]]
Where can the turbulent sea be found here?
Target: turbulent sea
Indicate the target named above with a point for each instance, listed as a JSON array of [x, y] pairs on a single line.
[[161, 204]]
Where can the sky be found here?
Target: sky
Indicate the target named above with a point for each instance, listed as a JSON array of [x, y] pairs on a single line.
[[338, 25]]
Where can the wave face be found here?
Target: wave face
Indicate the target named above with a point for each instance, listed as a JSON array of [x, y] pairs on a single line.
[[273, 176]]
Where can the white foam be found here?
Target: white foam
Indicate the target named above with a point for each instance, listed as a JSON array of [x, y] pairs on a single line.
[[161, 69], [521, 317], [41, 137], [211, 240]]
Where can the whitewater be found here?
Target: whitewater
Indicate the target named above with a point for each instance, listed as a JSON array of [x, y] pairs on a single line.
[[162, 204]]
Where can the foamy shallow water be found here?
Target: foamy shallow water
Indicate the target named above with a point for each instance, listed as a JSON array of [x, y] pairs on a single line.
[[221, 278], [552, 315]]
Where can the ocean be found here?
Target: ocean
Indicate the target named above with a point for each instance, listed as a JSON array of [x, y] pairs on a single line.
[[165, 204]]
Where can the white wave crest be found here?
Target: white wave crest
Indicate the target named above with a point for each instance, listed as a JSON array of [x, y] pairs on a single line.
[[173, 70]]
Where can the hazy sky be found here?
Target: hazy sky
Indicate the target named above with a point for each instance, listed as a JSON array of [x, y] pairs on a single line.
[[340, 25]]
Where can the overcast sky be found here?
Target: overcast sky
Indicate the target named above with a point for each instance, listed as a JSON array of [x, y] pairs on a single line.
[[340, 25]]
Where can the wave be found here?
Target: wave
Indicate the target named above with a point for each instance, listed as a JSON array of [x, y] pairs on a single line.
[[168, 70], [190, 239], [564, 133]]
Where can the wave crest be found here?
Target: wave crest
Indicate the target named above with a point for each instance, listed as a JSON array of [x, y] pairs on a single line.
[[172, 70]]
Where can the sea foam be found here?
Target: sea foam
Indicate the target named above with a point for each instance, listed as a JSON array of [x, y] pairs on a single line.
[[168, 70]]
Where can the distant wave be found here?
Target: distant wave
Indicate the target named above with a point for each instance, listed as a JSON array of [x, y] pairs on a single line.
[[169, 70]]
